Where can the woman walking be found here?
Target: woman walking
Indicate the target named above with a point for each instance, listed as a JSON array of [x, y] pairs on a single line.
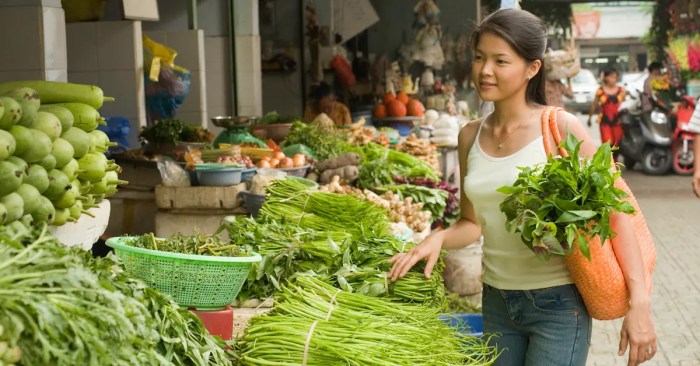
[[532, 305]]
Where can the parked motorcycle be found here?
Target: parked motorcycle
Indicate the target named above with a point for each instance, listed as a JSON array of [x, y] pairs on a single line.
[[647, 142], [683, 156]]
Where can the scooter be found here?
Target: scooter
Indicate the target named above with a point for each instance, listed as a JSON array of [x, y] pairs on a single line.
[[683, 156], [646, 142]]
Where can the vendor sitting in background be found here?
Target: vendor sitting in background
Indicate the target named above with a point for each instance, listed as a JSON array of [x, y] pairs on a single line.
[[323, 101]]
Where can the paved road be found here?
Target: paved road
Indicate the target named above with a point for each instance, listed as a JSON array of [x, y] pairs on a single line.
[[673, 215]]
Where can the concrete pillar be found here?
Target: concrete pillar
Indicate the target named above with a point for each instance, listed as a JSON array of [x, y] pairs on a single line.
[[34, 42], [247, 64]]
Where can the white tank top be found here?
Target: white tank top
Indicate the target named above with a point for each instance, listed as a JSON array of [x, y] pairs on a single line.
[[508, 263]]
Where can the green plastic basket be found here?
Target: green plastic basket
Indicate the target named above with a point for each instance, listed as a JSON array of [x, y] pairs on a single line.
[[200, 281]]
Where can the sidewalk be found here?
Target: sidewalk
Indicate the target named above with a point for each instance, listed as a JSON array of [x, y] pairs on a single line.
[[673, 215]]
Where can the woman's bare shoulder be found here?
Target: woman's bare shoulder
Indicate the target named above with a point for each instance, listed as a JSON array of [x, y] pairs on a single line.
[[469, 131]]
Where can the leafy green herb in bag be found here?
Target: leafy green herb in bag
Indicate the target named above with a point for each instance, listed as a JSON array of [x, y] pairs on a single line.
[[565, 200]]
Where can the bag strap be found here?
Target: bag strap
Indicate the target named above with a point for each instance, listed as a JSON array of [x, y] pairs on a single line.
[[551, 127]]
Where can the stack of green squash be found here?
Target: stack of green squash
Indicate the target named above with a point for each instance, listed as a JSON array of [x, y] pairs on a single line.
[[52, 162]]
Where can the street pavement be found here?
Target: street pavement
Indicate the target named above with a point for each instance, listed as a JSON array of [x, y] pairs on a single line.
[[673, 216]]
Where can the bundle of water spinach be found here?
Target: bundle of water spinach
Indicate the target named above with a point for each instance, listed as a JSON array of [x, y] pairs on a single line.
[[314, 323], [290, 201]]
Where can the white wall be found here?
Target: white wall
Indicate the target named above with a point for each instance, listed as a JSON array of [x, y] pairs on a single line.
[[110, 54]]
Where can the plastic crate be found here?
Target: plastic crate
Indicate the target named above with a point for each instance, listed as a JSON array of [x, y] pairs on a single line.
[[200, 281]]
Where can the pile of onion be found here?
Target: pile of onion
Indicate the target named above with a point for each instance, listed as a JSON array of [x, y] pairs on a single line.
[[280, 161]]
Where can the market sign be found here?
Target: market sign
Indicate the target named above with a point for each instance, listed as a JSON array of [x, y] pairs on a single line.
[[595, 22]]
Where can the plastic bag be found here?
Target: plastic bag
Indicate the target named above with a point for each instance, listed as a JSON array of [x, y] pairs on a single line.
[[463, 270], [172, 174], [263, 179], [166, 84]]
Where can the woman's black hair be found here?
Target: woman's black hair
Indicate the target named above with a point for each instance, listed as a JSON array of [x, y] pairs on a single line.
[[527, 35], [609, 71], [321, 91]]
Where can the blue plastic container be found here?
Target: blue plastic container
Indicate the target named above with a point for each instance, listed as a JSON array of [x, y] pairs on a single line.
[[219, 177], [470, 324]]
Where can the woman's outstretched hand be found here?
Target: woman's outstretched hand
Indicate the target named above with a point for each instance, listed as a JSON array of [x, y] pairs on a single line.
[[428, 250]]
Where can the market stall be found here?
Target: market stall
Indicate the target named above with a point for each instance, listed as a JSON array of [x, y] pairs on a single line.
[[271, 215]]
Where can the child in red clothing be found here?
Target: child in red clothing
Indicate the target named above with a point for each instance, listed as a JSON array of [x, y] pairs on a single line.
[[609, 96]]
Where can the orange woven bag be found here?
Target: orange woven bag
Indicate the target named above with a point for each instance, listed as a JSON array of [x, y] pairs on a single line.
[[600, 280]]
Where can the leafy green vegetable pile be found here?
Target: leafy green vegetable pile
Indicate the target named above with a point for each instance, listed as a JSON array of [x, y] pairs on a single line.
[[291, 201], [381, 165], [326, 144], [60, 306], [170, 131], [565, 200], [342, 239], [189, 244], [315, 324]]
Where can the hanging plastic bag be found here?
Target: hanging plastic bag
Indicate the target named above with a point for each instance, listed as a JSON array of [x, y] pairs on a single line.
[[166, 84]]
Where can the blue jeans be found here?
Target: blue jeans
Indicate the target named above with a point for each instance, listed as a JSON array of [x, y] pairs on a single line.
[[542, 327]]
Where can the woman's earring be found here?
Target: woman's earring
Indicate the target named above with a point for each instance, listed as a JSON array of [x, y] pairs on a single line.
[[529, 77]]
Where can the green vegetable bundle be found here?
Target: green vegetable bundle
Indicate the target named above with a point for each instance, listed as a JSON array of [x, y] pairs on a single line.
[[170, 131], [413, 288], [380, 166], [326, 144], [290, 201], [315, 324], [189, 244], [354, 265], [563, 201], [61, 307], [285, 249]]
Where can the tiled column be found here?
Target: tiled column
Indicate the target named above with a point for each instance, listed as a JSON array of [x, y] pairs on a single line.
[[248, 64], [34, 40], [110, 54]]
